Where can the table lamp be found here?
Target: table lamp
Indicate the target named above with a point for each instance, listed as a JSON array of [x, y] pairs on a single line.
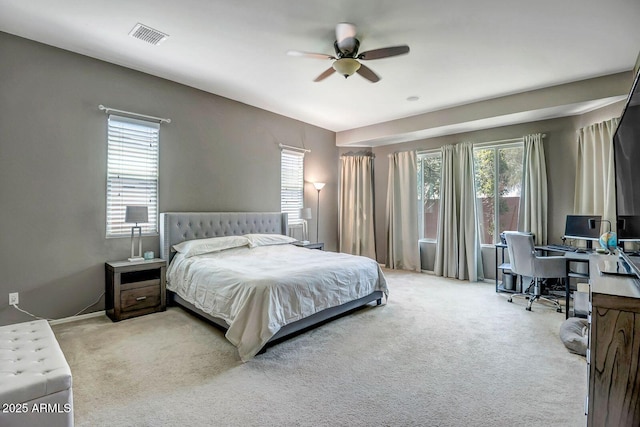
[[136, 214], [305, 214]]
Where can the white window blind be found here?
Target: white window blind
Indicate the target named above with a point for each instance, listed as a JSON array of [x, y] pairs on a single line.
[[292, 184], [132, 172]]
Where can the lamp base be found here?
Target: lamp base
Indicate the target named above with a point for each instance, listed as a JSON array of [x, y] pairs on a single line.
[[136, 259]]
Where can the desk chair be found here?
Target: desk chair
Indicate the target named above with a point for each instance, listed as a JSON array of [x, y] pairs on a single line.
[[526, 263]]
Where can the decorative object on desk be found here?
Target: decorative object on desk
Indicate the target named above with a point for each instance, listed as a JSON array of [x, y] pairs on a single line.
[[608, 239], [319, 186], [149, 255], [305, 214], [136, 214]]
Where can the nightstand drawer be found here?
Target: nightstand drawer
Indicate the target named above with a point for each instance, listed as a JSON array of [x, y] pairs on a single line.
[[139, 298], [138, 285]]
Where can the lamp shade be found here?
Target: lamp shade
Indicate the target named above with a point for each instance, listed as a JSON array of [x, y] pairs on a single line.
[[319, 185], [305, 213], [346, 66], [136, 214]]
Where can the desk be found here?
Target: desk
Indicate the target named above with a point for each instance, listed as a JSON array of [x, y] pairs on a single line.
[[570, 257], [574, 257], [503, 267]]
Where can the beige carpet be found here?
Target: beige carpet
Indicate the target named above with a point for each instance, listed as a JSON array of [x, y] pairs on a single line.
[[440, 353]]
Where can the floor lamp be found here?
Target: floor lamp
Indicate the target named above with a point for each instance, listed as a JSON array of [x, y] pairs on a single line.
[[319, 186]]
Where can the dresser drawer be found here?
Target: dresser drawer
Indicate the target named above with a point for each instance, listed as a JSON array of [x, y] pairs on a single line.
[[136, 299]]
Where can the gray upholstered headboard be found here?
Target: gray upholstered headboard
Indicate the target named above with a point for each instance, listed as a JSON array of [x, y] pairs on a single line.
[[176, 227]]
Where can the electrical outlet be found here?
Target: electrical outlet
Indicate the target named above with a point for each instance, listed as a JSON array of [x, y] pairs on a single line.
[[13, 298]]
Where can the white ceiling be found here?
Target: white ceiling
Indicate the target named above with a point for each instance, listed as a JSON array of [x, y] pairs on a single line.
[[462, 51]]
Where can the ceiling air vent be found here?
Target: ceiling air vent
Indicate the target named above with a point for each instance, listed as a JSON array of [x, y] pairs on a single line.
[[148, 34]]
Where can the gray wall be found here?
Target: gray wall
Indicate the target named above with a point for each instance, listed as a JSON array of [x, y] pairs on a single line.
[[216, 155], [561, 154]]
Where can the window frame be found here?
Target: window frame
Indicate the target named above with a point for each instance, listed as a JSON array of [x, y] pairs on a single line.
[[146, 183], [422, 155], [496, 146], [287, 157]]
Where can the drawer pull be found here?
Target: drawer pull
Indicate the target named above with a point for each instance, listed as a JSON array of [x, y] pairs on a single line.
[[141, 298]]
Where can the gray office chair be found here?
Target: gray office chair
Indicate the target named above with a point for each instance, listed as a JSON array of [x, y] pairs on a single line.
[[526, 263]]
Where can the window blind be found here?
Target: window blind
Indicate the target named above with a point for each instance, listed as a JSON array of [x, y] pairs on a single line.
[[292, 184], [132, 172]]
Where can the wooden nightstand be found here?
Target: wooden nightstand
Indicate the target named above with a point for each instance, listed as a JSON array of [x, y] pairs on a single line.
[[134, 288], [319, 245]]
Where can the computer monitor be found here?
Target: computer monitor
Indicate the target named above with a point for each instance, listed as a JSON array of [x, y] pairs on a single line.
[[628, 228], [577, 227]]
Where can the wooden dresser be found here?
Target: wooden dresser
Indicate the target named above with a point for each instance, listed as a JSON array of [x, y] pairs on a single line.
[[613, 357]]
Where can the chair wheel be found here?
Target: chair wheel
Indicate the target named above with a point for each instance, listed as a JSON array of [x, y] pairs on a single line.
[[528, 308], [559, 310], [510, 300]]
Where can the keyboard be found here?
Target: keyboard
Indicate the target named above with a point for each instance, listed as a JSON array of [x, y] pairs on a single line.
[[564, 248]]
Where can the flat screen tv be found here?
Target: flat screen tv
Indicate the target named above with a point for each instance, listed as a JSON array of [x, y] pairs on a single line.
[[626, 155]]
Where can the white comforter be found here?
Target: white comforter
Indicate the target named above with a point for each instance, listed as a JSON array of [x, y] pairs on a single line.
[[259, 290]]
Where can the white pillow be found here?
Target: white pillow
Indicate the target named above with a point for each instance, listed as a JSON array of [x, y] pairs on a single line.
[[214, 244], [268, 239]]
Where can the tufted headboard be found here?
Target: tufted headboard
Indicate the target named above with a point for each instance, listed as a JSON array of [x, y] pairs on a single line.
[[176, 227]]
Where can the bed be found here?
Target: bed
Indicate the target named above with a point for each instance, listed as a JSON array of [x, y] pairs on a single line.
[[263, 291]]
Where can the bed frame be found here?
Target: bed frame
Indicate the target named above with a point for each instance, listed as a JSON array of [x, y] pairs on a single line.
[[176, 227]]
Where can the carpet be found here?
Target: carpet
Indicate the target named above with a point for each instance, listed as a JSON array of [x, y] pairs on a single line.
[[441, 353]]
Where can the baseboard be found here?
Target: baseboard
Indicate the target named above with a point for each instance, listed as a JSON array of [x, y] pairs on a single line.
[[76, 318]]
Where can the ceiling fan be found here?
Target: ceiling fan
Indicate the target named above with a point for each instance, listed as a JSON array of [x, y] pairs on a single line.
[[347, 59]]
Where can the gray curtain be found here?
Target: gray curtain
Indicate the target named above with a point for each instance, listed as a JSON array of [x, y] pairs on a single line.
[[458, 252], [595, 176], [533, 196], [402, 212], [355, 221]]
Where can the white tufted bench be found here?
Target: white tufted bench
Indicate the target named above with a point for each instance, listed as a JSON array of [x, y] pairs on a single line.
[[35, 379]]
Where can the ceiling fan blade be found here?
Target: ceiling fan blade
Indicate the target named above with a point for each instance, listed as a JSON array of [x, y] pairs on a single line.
[[310, 54], [384, 52], [366, 72], [325, 74]]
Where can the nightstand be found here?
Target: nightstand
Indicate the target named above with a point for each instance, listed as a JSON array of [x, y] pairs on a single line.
[[319, 245], [134, 288]]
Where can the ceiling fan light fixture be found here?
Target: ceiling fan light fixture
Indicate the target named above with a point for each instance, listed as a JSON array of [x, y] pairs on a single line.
[[346, 66]]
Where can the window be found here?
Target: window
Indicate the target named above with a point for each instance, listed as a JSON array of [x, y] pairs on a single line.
[[498, 176], [132, 172], [429, 176], [292, 184]]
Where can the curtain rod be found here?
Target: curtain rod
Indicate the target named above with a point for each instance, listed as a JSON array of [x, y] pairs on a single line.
[[359, 154], [504, 141], [289, 147], [479, 144], [142, 116]]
